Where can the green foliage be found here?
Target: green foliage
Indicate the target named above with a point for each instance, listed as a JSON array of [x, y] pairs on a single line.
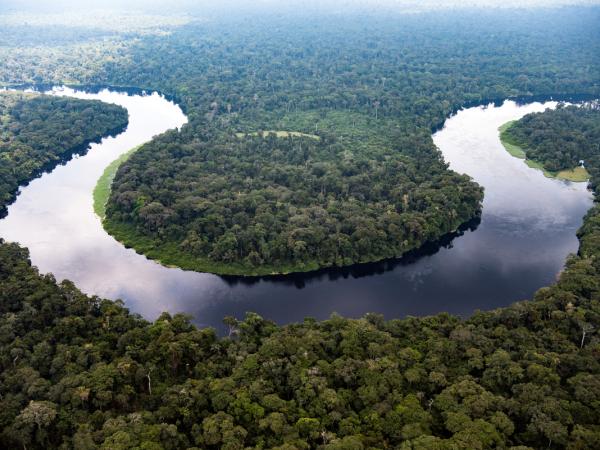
[[557, 140], [262, 205], [103, 186], [38, 132], [84, 372]]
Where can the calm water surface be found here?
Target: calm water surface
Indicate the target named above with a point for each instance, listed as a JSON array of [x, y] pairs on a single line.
[[527, 230]]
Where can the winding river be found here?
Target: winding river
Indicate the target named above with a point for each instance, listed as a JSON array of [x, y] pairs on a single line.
[[526, 232]]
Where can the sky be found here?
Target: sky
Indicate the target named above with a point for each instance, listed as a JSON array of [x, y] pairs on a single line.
[[200, 6]]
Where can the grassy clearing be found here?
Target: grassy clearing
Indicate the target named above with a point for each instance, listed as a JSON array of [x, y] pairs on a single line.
[[577, 174], [358, 132], [103, 186], [279, 134]]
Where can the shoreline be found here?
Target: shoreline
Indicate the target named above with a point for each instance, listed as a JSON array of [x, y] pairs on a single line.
[[103, 186], [575, 175]]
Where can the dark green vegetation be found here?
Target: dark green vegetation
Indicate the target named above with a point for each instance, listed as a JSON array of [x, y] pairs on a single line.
[[81, 372], [373, 187], [84, 373], [37, 132], [262, 205], [559, 139], [577, 174]]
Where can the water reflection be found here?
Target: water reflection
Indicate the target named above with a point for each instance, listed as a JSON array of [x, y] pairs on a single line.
[[300, 280], [526, 231]]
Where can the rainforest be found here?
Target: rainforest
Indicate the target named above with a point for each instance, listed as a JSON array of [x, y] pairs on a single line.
[[212, 215]]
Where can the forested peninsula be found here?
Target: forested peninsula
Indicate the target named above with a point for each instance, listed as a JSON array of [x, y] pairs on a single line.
[[38, 132], [563, 142], [222, 196], [82, 372]]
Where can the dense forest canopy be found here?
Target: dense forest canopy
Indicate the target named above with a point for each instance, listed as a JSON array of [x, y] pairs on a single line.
[[262, 205], [82, 372], [373, 187], [37, 132], [561, 138]]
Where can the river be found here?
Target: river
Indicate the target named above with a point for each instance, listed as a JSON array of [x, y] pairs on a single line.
[[526, 232]]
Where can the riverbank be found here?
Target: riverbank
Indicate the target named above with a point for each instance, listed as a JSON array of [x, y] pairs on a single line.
[[170, 255], [69, 236], [577, 174], [102, 188], [46, 132]]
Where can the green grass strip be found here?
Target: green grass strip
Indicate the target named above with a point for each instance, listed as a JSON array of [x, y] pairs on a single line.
[[103, 186], [577, 174], [512, 148]]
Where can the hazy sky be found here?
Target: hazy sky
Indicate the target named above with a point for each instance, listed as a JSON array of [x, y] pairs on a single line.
[[198, 6]]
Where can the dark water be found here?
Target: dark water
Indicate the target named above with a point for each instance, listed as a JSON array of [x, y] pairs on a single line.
[[526, 231]]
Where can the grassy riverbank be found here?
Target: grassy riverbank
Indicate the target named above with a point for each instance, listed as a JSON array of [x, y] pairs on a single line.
[[102, 189], [577, 174]]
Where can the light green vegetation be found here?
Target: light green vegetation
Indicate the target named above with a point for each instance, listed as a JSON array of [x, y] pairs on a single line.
[[279, 134], [102, 189], [577, 174], [511, 148], [360, 131]]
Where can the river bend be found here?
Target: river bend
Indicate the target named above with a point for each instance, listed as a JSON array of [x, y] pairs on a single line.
[[526, 232]]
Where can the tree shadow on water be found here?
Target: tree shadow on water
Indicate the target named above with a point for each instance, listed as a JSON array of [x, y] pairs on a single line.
[[300, 280]]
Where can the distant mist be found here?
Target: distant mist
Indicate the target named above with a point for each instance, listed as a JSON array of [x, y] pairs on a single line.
[[208, 7]]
